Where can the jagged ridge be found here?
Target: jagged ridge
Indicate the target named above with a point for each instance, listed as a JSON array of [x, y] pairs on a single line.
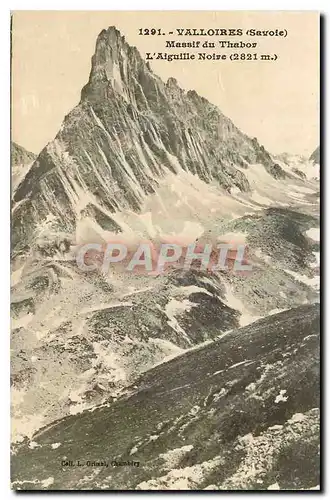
[[20, 156], [128, 131], [315, 156]]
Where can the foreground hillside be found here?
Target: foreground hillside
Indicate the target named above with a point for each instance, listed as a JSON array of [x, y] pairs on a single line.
[[238, 413]]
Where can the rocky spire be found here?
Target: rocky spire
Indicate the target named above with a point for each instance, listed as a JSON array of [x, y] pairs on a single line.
[[112, 63]]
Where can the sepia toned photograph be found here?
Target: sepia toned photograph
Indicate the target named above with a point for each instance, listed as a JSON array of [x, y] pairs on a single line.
[[165, 250]]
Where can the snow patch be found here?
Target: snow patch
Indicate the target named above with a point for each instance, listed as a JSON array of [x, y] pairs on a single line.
[[280, 397], [33, 445], [235, 303], [312, 282], [173, 457], [47, 482], [314, 233], [273, 486]]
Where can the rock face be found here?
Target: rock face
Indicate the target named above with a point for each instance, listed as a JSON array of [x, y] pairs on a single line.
[[239, 413], [20, 156], [128, 131], [315, 156], [21, 161]]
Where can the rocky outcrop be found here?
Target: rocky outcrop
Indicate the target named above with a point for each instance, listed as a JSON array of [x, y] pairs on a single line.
[[21, 162], [315, 156], [301, 174], [276, 171], [20, 156]]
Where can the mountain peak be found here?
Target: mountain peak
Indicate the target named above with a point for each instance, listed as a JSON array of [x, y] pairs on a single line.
[[20, 156], [130, 130], [110, 37], [315, 156], [112, 62]]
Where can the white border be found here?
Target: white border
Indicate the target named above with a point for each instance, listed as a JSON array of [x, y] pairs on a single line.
[[214, 5], [7, 6]]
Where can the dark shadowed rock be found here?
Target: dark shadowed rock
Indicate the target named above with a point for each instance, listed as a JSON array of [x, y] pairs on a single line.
[[20, 156], [315, 156], [299, 172]]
